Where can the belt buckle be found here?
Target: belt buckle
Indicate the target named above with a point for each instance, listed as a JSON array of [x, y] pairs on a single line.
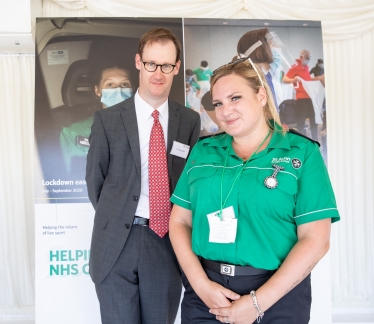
[[228, 269]]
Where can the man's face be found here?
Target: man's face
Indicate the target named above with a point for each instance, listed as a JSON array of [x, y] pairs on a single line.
[[154, 87], [304, 58]]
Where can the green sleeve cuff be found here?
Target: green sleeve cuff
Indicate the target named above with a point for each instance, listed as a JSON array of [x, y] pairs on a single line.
[[180, 202], [318, 215]]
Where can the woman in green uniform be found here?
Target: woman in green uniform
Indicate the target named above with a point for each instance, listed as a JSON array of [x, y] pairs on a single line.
[[252, 211], [111, 85]]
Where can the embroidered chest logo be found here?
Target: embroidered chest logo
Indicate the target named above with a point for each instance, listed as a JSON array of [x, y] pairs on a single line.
[[296, 163], [279, 160]]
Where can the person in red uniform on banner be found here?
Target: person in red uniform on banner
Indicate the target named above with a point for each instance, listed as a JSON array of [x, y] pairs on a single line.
[[304, 105]]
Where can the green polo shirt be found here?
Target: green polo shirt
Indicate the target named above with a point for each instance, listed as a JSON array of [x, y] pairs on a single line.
[[194, 85], [74, 141], [267, 218], [203, 75]]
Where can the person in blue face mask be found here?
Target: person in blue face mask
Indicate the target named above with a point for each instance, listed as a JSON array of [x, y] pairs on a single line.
[[114, 86], [304, 104], [111, 85], [277, 59]]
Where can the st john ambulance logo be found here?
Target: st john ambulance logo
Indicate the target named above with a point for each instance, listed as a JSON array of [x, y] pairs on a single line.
[[296, 163]]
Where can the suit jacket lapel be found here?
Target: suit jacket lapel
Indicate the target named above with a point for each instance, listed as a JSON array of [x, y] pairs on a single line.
[[130, 122], [174, 120]]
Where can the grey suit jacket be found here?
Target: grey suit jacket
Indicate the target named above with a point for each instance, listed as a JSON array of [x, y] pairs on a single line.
[[113, 175]]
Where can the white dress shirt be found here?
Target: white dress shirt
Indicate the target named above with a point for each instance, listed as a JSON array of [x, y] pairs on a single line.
[[145, 122]]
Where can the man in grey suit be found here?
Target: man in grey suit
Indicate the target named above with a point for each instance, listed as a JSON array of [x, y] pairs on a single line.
[[136, 274]]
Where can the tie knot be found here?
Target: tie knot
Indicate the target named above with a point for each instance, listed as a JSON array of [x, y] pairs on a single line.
[[155, 114]]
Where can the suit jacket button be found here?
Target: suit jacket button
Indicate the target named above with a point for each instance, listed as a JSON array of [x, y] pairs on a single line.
[[127, 225], [135, 198]]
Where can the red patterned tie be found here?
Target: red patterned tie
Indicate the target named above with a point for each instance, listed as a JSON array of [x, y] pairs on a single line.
[[159, 192]]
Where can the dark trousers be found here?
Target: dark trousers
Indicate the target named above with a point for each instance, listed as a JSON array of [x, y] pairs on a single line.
[[304, 110], [144, 285], [293, 308]]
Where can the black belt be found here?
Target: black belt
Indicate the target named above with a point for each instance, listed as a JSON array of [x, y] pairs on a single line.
[[233, 270], [140, 221]]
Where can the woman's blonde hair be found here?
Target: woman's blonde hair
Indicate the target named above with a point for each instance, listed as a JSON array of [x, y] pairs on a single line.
[[256, 80]]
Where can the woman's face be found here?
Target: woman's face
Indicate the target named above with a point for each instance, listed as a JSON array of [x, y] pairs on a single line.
[[238, 109], [113, 78]]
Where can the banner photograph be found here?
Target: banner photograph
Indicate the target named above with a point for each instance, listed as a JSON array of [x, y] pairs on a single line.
[[78, 65], [84, 65], [77, 57], [282, 49]]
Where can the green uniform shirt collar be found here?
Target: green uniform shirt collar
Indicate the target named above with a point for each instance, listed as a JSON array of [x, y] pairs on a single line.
[[220, 140], [278, 140]]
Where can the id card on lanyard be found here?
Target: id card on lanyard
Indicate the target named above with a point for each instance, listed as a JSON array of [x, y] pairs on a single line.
[[222, 226], [223, 222]]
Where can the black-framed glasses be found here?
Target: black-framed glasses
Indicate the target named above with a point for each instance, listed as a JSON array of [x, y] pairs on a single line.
[[165, 68], [231, 63]]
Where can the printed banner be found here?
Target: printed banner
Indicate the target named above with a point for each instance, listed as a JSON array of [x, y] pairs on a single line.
[[276, 47], [76, 58], [74, 62]]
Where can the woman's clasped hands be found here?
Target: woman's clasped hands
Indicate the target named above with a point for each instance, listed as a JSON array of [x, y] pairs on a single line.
[[228, 306], [241, 311]]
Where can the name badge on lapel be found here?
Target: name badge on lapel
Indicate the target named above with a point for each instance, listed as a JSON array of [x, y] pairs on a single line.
[[180, 149], [82, 141]]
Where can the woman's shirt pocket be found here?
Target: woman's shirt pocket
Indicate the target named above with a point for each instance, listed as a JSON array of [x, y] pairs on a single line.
[[277, 202], [200, 176]]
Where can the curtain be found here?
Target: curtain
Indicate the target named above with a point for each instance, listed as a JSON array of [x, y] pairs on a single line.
[[341, 19], [350, 100], [66, 9], [16, 190]]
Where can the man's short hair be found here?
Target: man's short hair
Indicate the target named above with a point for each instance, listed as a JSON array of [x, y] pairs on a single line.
[[159, 35], [305, 53], [204, 64]]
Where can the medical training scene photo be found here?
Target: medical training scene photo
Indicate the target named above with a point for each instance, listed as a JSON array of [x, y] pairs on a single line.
[[289, 54], [82, 65]]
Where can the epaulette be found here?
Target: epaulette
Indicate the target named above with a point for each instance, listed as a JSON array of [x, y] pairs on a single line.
[[211, 135], [308, 138]]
